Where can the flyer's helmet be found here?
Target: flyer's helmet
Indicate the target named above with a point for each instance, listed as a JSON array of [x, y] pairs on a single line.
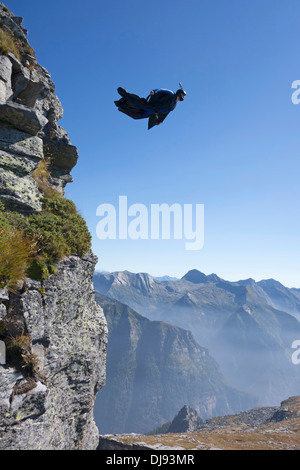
[[181, 93]]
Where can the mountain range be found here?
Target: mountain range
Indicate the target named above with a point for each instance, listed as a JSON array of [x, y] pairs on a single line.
[[247, 326], [153, 369]]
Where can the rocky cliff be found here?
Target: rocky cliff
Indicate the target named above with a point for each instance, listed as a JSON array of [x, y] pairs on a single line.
[[53, 332], [29, 115]]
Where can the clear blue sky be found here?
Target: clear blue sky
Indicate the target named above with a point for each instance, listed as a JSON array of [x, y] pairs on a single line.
[[233, 145]]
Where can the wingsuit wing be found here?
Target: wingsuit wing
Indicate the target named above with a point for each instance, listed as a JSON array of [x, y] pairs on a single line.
[[134, 106], [156, 119], [152, 121], [130, 109]]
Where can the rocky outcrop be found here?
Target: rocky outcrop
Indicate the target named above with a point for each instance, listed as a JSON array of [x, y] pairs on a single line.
[[53, 332], [289, 409], [257, 429], [187, 420], [108, 443], [52, 408], [29, 115]]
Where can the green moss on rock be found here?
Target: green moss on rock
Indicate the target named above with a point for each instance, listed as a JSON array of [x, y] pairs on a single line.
[[57, 231]]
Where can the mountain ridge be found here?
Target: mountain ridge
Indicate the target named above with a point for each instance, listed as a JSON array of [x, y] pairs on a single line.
[[211, 308], [153, 368]]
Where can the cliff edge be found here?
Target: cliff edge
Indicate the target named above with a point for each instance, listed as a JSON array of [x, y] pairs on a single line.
[[53, 335]]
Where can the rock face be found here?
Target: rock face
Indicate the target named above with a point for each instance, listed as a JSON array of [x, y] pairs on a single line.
[[54, 410], [47, 394], [29, 115]]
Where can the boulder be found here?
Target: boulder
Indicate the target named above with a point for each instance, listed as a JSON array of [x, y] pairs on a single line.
[[5, 77], [29, 95], [20, 143], [60, 153], [187, 420], [22, 117], [5, 69], [19, 191]]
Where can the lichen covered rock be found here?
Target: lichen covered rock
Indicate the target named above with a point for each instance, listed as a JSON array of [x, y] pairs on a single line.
[[53, 331], [52, 407], [29, 115]]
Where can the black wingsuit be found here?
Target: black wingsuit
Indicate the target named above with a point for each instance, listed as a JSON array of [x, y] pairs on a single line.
[[156, 107]]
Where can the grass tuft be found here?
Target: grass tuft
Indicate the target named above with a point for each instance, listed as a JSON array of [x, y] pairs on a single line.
[[16, 252], [19, 342], [31, 362], [10, 43], [41, 175]]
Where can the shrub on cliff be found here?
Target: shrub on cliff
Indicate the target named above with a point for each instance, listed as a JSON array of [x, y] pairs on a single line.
[[41, 176], [16, 251], [17, 46], [30, 245], [8, 44], [59, 230]]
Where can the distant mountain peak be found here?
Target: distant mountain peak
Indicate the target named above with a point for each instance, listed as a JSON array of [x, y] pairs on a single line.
[[165, 278], [214, 277], [195, 276], [247, 282], [270, 282], [187, 300]]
